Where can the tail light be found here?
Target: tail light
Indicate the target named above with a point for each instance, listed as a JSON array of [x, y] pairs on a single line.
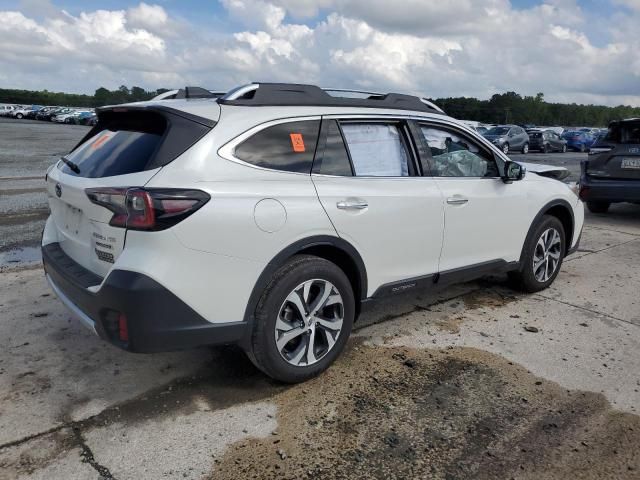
[[147, 209]]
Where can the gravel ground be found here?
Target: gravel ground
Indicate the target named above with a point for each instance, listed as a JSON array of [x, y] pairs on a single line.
[[476, 381]]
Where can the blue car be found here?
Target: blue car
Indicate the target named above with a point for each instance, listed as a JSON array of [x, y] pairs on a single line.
[[578, 140]]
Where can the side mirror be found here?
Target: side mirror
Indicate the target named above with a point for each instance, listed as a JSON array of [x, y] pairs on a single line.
[[513, 172]]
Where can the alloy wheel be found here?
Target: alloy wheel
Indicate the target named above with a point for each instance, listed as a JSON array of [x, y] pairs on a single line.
[[505, 148], [546, 256], [309, 322]]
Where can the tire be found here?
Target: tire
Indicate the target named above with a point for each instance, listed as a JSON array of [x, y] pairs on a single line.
[[505, 148], [19, 116], [290, 361], [564, 148], [582, 148], [525, 148], [598, 207], [545, 148], [529, 278]]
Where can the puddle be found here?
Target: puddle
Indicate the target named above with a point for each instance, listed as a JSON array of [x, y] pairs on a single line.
[[20, 257]]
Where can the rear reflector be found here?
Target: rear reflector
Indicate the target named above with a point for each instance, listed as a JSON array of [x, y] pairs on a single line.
[[147, 209], [123, 328]]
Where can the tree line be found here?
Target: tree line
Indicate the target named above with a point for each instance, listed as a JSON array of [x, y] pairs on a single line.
[[511, 107], [101, 97], [508, 107]]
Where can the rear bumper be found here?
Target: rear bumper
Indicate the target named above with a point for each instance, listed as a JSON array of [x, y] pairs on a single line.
[[156, 319], [608, 190]]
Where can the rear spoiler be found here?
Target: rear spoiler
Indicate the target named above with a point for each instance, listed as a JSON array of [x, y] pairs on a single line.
[[184, 128]]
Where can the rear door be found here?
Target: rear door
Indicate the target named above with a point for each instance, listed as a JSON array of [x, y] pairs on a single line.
[[369, 185], [126, 149]]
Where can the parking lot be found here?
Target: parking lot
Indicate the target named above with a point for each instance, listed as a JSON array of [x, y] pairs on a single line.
[[476, 381]]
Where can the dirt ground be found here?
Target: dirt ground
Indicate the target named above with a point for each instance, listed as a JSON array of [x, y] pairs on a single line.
[[458, 413], [476, 381]]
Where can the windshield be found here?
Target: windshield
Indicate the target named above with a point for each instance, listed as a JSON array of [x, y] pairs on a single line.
[[498, 131], [627, 132]]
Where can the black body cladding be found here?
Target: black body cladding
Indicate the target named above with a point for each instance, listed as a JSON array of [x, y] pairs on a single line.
[[157, 320]]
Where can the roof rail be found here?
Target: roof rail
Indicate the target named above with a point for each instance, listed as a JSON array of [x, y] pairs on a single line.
[[291, 94]]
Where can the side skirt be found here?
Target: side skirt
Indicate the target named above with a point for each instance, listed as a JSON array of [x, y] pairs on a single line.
[[439, 280]]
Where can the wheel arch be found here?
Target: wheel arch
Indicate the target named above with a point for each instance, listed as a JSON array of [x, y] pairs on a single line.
[[561, 209], [334, 249]]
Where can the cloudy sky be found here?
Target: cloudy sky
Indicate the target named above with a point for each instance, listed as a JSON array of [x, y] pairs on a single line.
[[587, 51]]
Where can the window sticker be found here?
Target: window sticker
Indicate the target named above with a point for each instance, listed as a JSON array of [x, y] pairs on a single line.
[[297, 142], [100, 141]]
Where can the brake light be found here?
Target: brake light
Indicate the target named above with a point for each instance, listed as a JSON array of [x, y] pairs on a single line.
[[147, 209]]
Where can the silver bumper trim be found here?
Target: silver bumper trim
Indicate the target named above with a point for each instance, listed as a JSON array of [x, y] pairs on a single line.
[[79, 314]]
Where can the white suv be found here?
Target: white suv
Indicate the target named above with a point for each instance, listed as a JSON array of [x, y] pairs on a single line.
[[272, 216]]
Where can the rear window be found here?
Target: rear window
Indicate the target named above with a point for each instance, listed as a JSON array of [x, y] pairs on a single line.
[[123, 145], [627, 132], [287, 147], [535, 134]]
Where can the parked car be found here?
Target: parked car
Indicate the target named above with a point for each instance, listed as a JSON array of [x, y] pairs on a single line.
[[5, 110], [611, 174], [20, 112], [34, 110], [577, 140], [58, 111], [85, 118], [66, 117], [546, 141], [45, 113], [508, 137], [272, 216]]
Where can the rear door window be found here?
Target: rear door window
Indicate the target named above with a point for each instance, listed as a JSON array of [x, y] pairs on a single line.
[[377, 149], [288, 147]]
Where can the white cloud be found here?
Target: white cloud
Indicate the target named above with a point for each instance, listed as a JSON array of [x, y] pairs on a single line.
[[445, 48], [147, 16]]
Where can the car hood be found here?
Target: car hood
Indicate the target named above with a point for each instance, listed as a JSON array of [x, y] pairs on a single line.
[[559, 173]]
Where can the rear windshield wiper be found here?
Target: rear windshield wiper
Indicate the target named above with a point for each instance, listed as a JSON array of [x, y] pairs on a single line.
[[74, 168]]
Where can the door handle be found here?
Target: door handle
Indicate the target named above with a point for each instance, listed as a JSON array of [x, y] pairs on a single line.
[[351, 205], [457, 200]]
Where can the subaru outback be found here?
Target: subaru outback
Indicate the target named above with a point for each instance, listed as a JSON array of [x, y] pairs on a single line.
[[272, 216]]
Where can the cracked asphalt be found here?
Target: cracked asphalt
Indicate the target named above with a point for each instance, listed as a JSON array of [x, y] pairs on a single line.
[[476, 381]]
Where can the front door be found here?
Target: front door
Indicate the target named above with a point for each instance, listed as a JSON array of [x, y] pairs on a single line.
[[484, 217]]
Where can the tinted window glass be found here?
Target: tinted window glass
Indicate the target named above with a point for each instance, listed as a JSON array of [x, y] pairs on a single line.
[[455, 156], [120, 148], [498, 131], [626, 132], [377, 149], [334, 159], [287, 146]]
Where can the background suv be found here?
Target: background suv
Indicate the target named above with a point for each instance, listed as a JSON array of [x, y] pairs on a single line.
[[546, 141], [508, 137], [272, 216], [612, 172]]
